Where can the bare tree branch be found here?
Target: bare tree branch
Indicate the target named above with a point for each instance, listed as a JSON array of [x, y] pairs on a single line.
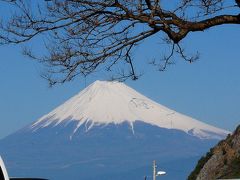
[[83, 36]]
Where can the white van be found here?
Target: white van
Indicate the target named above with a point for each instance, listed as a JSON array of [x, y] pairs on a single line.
[[4, 174]]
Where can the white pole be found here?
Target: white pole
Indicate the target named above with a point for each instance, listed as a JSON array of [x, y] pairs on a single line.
[[154, 170]]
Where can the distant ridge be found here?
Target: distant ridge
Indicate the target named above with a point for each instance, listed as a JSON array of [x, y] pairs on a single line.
[[108, 130]]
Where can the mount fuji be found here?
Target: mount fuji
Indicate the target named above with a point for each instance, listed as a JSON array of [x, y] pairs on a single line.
[[108, 131]]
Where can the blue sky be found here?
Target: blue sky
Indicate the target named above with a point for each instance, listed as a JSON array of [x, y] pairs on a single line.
[[208, 90]]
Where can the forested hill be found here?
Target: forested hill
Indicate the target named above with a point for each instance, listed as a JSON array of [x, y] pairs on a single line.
[[222, 161]]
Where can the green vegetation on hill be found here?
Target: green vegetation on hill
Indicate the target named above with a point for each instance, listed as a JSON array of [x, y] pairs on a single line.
[[233, 170], [200, 164]]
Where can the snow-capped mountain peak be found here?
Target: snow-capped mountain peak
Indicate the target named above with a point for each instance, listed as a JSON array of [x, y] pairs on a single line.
[[106, 102]]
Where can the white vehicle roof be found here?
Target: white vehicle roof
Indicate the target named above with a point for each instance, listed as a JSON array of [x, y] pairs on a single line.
[[3, 169]]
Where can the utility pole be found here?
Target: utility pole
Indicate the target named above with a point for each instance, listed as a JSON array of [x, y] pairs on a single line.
[[154, 170], [157, 173]]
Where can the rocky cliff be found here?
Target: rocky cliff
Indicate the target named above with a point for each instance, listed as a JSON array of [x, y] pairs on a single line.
[[222, 161]]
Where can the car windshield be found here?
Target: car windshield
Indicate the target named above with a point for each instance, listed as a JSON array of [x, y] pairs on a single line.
[[1, 174]]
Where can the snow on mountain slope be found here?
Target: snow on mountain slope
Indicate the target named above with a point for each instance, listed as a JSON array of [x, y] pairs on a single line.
[[106, 102]]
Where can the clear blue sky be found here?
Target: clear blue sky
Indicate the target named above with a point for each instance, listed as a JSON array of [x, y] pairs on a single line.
[[208, 90]]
